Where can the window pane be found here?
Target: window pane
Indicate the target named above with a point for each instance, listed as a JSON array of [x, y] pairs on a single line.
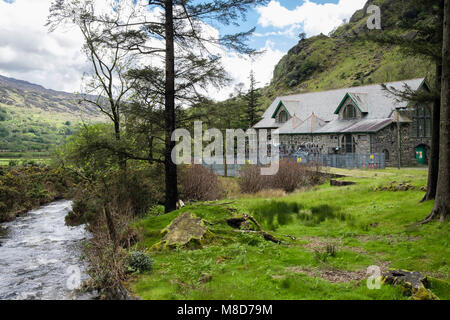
[[421, 127], [428, 127], [414, 127]]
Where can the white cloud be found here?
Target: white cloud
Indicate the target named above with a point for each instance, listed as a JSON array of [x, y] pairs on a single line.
[[316, 18], [239, 68], [55, 60], [29, 52]]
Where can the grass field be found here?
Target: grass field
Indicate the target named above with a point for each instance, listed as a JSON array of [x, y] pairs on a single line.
[[8, 161], [330, 236]]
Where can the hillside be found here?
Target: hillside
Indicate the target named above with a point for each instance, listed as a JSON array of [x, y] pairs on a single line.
[[336, 61], [33, 118]]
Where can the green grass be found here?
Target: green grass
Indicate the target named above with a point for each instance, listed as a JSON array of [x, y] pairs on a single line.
[[8, 161], [366, 227]]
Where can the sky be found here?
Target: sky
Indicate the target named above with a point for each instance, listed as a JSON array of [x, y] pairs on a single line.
[[55, 60]]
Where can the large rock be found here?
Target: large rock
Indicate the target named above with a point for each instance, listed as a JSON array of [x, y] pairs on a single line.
[[186, 230], [340, 183], [413, 283]]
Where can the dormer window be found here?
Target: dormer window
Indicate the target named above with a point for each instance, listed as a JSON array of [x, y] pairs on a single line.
[[350, 112], [421, 122], [284, 117]]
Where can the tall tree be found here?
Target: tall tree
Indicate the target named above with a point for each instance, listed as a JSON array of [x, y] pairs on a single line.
[[442, 203], [174, 33], [420, 34], [252, 98], [106, 87], [189, 61]]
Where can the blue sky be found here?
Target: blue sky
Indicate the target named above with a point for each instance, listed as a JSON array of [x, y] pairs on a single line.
[[29, 52], [283, 42]]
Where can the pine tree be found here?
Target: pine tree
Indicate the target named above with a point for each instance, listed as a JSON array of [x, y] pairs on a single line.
[[252, 99], [186, 53]]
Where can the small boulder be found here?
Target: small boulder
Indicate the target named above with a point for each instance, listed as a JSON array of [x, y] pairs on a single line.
[[185, 230], [413, 283], [338, 183]]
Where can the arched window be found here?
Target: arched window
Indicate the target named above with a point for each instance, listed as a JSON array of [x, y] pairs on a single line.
[[421, 122], [284, 116], [349, 112], [349, 143], [386, 155]]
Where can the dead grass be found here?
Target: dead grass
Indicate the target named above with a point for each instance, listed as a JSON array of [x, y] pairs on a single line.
[[331, 275]]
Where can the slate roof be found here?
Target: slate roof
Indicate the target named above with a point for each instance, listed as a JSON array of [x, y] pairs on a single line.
[[361, 101], [310, 125], [355, 126], [376, 104]]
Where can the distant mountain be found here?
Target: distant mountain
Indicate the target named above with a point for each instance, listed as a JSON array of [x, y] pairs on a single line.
[[33, 118], [23, 94]]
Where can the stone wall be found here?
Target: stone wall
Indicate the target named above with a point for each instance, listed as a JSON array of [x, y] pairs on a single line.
[[384, 141]]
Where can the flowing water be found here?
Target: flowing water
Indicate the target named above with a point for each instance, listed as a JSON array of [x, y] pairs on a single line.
[[40, 255]]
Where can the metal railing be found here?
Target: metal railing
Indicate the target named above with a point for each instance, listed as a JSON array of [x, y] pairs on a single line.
[[342, 161]]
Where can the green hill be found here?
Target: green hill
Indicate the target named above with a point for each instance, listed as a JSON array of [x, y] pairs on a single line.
[[336, 61], [33, 119]]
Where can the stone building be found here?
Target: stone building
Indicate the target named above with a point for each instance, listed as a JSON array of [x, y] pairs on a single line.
[[357, 120]]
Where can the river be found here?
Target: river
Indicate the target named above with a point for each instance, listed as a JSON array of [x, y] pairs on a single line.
[[40, 256]]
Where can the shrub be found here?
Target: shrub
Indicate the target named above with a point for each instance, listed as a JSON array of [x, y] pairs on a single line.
[[138, 261], [330, 251], [251, 180], [200, 184], [289, 176]]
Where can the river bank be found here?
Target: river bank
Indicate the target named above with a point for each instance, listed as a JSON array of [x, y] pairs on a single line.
[[25, 188], [40, 256]]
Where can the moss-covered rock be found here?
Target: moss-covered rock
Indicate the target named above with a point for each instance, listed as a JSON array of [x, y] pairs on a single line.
[[413, 283], [186, 230]]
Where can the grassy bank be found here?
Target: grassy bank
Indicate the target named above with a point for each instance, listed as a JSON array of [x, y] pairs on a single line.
[[23, 188], [330, 235]]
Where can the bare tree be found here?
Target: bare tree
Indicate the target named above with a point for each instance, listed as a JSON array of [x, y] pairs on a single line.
[[106, 87]]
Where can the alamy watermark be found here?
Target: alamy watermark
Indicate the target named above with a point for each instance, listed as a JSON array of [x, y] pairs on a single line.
[[374, 280], [74, 280], [374, 20], [241, 147]]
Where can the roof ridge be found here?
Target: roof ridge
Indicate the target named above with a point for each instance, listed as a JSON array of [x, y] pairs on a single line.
[[365, 86]]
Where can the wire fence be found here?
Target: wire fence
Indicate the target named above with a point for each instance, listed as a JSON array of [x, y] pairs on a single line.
[[342, 161]]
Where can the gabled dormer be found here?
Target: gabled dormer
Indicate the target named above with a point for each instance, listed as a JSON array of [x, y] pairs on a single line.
[[354, 106], [284, 111]]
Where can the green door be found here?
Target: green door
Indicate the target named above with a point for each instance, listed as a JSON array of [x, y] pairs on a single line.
[[421, 155]]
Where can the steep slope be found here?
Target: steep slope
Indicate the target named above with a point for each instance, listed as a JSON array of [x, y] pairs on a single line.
[[33, 118], [336, 61]]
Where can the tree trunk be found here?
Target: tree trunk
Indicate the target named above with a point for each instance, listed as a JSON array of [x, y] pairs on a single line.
[[434, 153], [170, 167], [442, 205], [110, 224]]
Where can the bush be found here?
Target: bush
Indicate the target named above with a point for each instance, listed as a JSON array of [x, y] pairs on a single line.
[[138, 261], [200, 184], [289, 177], [251, 180]]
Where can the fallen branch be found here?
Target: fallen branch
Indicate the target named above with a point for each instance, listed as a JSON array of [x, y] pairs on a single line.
[[237, 223]]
